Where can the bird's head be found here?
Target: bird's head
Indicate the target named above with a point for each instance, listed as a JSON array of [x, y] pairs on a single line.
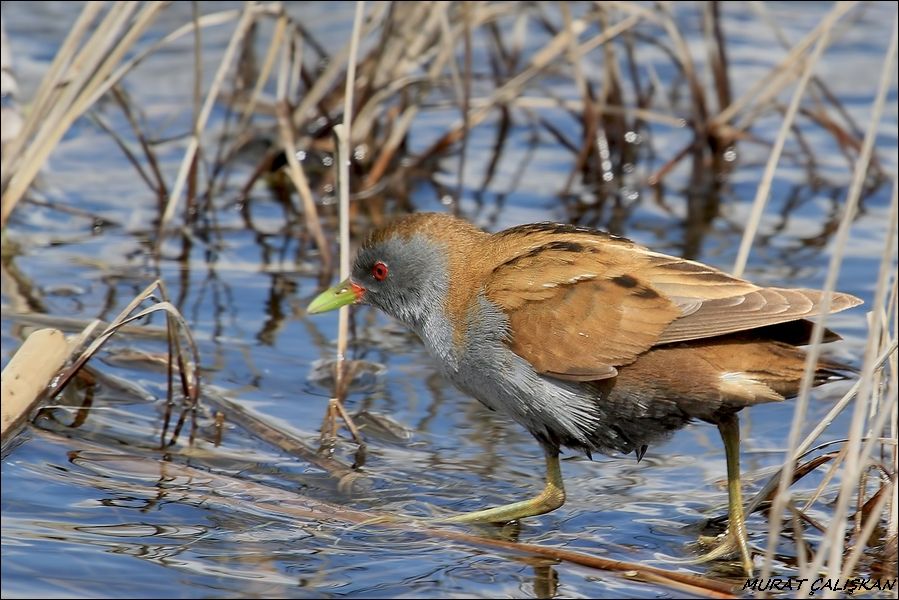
[[406, 268]]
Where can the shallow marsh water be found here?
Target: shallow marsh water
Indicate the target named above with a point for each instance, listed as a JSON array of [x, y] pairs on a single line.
[[92, 507]]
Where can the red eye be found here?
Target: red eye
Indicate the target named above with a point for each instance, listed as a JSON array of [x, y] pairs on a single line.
[[379, 271]]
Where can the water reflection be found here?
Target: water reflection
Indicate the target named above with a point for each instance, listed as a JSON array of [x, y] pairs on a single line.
[[89, 488]]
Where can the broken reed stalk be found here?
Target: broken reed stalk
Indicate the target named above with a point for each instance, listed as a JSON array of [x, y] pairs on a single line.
[[344, 133], [832, 544], [348, 480], [176, 325], [27, 376]]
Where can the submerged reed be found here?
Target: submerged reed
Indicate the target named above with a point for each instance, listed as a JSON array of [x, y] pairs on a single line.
[[404, 58]]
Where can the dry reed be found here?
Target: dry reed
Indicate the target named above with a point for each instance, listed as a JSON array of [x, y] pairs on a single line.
[[403, 57]]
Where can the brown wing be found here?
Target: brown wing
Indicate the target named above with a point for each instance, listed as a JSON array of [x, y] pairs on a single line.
[[574, 311], [715, 303], [580, 303]]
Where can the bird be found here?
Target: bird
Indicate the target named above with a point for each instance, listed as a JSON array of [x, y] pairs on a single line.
[[588, 340]]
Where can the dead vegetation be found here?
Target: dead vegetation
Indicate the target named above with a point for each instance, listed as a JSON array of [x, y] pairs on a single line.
[[285, 99]]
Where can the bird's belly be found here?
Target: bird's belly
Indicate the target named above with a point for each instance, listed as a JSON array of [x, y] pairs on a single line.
[[556, 412]]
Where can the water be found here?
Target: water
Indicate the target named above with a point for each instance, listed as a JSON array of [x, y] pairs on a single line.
[[92, 507]]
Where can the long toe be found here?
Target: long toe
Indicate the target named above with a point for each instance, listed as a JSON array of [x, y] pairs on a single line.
[[725, 546]]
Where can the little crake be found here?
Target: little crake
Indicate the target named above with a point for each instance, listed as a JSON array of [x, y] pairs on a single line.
[[588, 340]]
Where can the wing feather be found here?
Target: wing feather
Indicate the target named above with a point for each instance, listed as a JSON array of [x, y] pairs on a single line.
[[581, 303]]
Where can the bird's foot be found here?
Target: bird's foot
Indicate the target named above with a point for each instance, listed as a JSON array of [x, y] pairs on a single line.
[[726, 545], [721, 547]]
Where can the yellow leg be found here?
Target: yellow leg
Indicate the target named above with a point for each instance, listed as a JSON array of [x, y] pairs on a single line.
[[735, 537], [551, 498]]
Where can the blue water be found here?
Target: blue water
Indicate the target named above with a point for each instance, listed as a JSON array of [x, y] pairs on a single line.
[[92, 507]]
